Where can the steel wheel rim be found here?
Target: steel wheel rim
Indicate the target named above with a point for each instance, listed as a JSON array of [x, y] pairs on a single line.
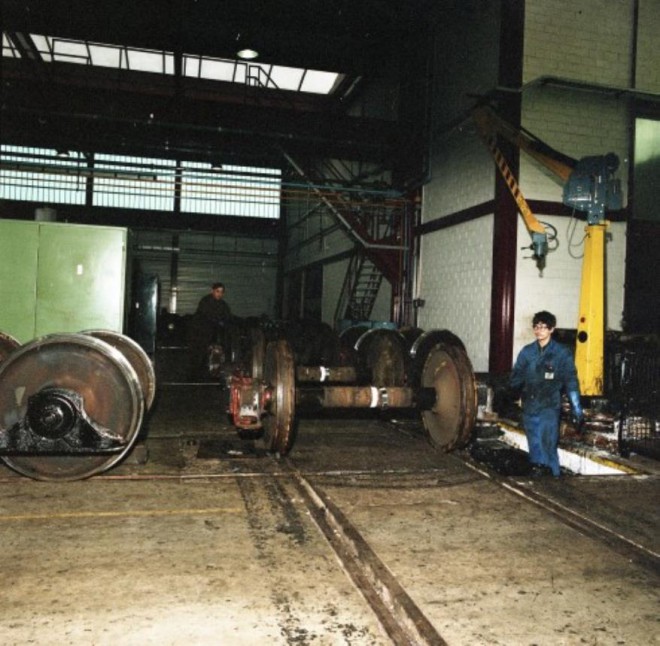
[[98, 371], [279, 375], [136, 356], [448, 370], [8, 345]]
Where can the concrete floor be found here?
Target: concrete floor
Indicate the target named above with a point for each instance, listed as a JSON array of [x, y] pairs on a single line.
[[209, 542]]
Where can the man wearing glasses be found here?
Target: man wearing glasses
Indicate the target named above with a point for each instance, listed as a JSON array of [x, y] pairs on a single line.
[[543, 371]]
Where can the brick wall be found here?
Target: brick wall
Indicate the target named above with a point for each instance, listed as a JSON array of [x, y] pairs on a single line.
[[648, 47], [455, 282], [585, 40], [577, 123], [462, 174]]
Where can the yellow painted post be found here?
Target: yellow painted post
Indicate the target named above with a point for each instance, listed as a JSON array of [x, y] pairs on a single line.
[[590, 347]]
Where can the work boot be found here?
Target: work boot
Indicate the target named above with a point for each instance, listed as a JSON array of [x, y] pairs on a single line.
[[539, 471]]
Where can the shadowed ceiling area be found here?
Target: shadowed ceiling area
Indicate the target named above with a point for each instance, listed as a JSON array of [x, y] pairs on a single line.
[[153, 76]]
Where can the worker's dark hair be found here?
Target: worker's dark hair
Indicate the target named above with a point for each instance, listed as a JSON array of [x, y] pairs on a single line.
[[216, 285], [545, 317]]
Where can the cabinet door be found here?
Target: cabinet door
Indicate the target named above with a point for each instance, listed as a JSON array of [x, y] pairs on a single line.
[[19, 242], [81, 279]]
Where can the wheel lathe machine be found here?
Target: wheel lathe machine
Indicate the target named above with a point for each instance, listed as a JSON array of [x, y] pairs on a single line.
[[72, 405]]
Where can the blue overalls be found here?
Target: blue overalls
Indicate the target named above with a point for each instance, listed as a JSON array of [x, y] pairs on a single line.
[[542, 374]]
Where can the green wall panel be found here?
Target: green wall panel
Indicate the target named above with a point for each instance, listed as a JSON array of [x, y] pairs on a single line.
[[19, 243]]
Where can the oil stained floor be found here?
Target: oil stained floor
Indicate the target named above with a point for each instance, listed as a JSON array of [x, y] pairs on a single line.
[[208, 542]]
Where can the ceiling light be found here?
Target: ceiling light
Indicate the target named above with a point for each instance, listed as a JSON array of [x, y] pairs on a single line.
[[247, 54]]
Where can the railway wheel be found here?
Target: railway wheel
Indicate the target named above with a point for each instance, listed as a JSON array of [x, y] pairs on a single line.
[[72, 392], [447, 369], [136, 356], [7, 345], [279, 376]]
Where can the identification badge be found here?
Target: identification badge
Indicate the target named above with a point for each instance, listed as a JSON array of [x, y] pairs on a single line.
[[549, 375]]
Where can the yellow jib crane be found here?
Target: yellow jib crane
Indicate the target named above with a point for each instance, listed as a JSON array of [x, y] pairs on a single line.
[[588, 185]]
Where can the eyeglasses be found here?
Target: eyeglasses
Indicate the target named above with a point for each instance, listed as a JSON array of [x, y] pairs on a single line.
[[540, 326]]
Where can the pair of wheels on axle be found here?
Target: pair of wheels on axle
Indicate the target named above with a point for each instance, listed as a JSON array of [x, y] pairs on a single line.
[[101, 376], [437, 362]]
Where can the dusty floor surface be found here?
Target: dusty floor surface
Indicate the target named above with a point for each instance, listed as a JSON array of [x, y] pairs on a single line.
[[208, 542]]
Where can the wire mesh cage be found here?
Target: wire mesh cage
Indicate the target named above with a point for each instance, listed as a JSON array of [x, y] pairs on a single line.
[[638, 383]]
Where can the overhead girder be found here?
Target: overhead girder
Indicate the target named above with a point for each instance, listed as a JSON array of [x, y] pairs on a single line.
[[101, 104]]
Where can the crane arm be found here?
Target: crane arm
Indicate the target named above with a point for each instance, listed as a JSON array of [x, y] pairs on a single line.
[[488, 125]]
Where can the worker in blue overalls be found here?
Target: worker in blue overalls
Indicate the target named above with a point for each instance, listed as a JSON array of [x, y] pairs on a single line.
[[543, 371]]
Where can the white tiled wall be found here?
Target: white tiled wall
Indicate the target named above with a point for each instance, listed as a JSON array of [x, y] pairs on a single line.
[[455, 282]]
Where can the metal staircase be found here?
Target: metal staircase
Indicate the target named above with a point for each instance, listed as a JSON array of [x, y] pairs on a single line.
[[361, 284], [369, 221]]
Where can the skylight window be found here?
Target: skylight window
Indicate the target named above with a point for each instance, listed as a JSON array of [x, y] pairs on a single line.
[[8, 49], [105, 56], [216, 69], [287, 78], [278, 77], [143, 60], [318, 82], [68, 51]]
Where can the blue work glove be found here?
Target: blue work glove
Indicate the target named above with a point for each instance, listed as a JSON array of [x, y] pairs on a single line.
[[578, 413]]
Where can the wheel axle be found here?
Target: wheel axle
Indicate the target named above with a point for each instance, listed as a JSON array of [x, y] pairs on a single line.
[[441, 387]]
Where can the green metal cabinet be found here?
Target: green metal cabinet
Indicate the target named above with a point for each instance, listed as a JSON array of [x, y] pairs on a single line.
[[57, 277], [19, 246]]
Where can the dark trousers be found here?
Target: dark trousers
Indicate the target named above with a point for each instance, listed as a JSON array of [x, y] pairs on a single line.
[[542, 430]]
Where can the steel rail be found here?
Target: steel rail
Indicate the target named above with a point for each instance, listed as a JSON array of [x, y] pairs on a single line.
[[399, 616], [616, 541]]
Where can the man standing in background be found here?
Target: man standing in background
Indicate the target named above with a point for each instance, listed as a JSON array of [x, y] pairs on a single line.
[[209, 319]]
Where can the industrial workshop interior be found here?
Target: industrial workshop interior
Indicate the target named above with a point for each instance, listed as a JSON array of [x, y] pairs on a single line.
[[330, 322]]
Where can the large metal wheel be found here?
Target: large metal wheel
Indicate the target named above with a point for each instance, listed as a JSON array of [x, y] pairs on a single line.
[[136, 356], [8, 344], [94, 370], [448, 370], [422, 346], [280, 377], [382, 356]]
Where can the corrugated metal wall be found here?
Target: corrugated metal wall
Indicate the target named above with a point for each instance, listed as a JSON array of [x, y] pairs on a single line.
[[190, 261]]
